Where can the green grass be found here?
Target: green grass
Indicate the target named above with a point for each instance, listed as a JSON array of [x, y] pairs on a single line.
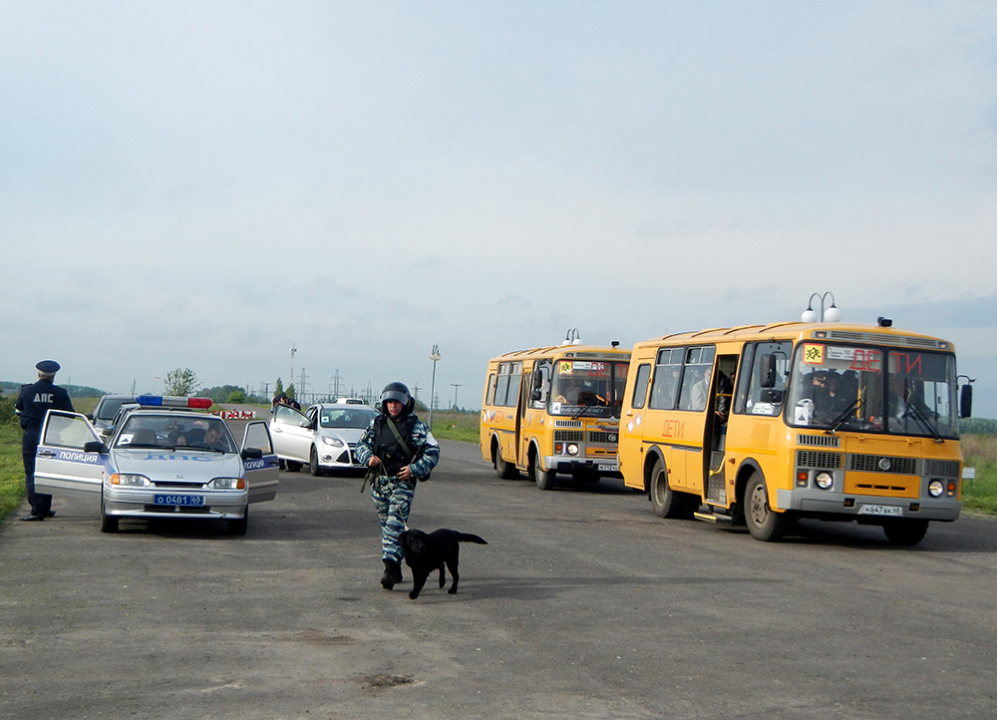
[[11, 468], [449, 425], [980, 452]]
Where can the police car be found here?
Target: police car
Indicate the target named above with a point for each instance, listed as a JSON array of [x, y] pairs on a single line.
[[163, 460]]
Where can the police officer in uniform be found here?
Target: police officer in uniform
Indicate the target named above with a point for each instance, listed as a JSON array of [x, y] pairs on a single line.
[[32, 405], [398, 450]]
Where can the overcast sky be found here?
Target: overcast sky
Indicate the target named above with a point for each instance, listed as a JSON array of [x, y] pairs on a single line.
[[204, 184]]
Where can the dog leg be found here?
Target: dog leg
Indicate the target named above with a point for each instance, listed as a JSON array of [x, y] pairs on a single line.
[[443, 576], [452, 564], [418, 580]]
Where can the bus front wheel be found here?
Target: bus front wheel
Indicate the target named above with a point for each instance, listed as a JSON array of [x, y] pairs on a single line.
[[905, 532], [762, 522], [543, 478], [665, 502]]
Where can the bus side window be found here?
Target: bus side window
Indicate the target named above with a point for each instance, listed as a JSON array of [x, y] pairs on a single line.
[[541, 385], [491, 390], [640, 387], [767, 381], [744, 378]]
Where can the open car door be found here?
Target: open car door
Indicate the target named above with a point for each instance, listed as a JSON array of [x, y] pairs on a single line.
[[261, 472], [293, 434], [67, 457]]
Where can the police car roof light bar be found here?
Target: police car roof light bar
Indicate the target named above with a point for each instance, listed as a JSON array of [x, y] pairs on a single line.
[[200, 403]]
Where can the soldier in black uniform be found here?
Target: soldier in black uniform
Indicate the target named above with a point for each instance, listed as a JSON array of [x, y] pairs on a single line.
[[32, 405]]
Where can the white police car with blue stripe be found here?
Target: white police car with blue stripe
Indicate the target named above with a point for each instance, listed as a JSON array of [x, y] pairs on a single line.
[[163, 460]]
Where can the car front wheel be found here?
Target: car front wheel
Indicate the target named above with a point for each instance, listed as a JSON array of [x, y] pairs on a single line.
[[239, 527]]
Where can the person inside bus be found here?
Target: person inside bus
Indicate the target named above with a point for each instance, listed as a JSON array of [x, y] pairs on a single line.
[[905, 402], [568, 394]]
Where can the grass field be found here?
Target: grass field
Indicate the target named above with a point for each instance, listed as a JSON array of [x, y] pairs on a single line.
[[980, 452]]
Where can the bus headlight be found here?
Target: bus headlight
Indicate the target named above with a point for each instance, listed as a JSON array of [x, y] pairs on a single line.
[[572, 449], [824, 480], [936, 488]]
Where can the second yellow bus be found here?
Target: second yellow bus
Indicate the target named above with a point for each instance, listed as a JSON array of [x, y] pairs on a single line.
[[554, 410]]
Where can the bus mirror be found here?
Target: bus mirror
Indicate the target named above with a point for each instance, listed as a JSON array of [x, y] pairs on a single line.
[[966, 401], [535, 395], [768, 370], [773, 397]]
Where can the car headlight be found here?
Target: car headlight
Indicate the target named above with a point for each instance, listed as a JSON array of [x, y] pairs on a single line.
[[126, 480], [227, 484], [936, 488], [335, 442], [824, 480], [572, 449]]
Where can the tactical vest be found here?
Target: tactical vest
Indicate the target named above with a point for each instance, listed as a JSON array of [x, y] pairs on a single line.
[[386, 445]]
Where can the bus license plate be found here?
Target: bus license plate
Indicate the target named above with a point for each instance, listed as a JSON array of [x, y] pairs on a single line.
[[185, 500], [883, 510], [608, 467]]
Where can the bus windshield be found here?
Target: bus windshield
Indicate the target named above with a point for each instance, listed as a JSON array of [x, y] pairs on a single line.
[[590, 389], [900, 392]]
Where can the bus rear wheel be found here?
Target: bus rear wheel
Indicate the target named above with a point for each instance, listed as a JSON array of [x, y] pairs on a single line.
[[905, 532], [543, 478], [504, 470], [665, 502], [762, 522]]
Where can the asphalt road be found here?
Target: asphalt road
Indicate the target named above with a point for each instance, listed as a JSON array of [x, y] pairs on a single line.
[[582, 605]]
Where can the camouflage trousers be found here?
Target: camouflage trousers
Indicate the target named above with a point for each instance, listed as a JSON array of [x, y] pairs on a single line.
[[393, 502]]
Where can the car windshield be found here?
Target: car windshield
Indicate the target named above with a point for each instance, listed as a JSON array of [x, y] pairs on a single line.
[[902, 392], [584, 388], [166, 431], [346, 416]]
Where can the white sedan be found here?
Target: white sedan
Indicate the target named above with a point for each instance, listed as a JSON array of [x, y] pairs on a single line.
[[164, 460], [323, 437]]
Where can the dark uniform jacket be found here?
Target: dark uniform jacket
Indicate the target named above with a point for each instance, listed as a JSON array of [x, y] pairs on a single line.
[[36, 400]]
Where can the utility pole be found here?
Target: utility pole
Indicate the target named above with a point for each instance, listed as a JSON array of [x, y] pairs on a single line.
[[435, 357], [293, 350], [455, 386]]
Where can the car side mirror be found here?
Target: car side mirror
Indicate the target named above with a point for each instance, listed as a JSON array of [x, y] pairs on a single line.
[[108, 431], [305, 424], [251, 453], [89, 416], [95, 446]]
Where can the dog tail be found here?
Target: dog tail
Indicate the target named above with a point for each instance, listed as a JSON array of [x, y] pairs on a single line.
[[467, 537]]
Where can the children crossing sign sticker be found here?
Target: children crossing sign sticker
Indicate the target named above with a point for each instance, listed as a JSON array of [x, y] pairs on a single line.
[[813, 354]]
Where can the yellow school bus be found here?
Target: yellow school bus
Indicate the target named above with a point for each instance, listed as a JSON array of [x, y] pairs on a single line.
[[763, 425], [554, 410]]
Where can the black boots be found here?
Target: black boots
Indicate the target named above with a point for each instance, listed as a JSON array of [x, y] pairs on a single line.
[[392, 574]]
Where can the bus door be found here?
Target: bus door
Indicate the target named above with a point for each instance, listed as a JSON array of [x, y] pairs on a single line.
[[522, 410], [535, 393], [715, 437], [694, 397]]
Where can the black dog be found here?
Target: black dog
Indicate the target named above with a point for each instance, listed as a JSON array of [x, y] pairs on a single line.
[[427, 552]]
